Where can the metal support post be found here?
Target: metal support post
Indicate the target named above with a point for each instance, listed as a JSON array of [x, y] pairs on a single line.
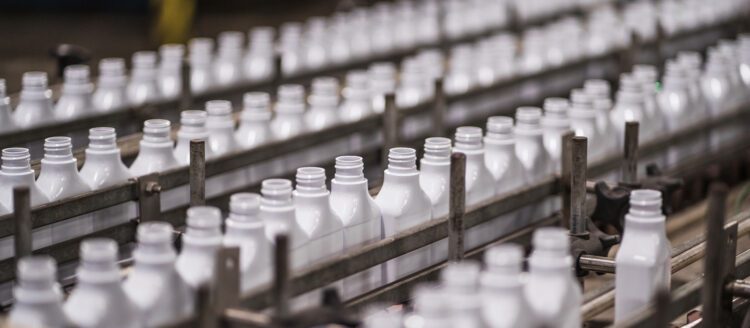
[[226, 287], [197, 172], [457, 207], [278, 71], [281, 278], [578, 219], [630, 160], [22, 215], [719, 266], [565, 167]]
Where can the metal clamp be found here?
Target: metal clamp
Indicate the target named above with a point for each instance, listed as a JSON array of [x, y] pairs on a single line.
[[149, 197]]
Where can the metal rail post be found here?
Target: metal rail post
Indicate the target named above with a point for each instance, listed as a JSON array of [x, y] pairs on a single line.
[[456, 207], [197, 172]]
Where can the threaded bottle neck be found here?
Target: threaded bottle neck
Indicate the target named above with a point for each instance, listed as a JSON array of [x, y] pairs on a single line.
[[461, 276], [193, 121], [645, 203], [580, 100], [402, 159], [311, 180], [551, 241], [437, 150], [171, 55], [324, 92], [244, 207], [290, 98], [256, 104], [112, 72], [276, 192], [230, 43], [16, 160], [3, 90], [500, 128], [37, 272], [203, 222], [102, 138], [77, 75], [356, 85], [201, 50], [556, 107], [219, 114], [156, 130], [155, 242], [504, 259], [34, 82], [144, 65], [349, 169], [58, 149], [629, 83], [468, 138], [99, 261], [597, 88], [528, 118]]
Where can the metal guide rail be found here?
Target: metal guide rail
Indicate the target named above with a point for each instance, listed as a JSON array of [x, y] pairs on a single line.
[[187, 99], [129, 191]]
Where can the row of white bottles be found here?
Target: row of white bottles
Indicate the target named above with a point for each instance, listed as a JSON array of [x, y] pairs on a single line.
[[156, 76], [547, 295]]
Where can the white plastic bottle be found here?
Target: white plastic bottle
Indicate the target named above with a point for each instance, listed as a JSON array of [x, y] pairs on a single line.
[[357, 102], [35, 103], [551, 275], [255, 120], [110, 93], [16, 171], [601, 103], [415, 86], [629, 108], [674, 98], [382, 81], [502, 285], [583, 122], [75, 100], [290, 47], [500, 155], [170, 70], [142, 87], [530, 144], [277, 213], [228, 64], [192, 127], [6, 117], [155, 153], [103, 166], [220, 127], [460, 284], [290, 110], [404, 205], [246, 230], [259, 60], [692, 64], [360, 217], [647, 76], [480, 184], [200, 243], [38, 301], [435, 172], [321, 225], [555, 124], [98, 299], [153, 284], [201, 58], [59, 176], [643, 262], [716, 84], [324, 103]]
